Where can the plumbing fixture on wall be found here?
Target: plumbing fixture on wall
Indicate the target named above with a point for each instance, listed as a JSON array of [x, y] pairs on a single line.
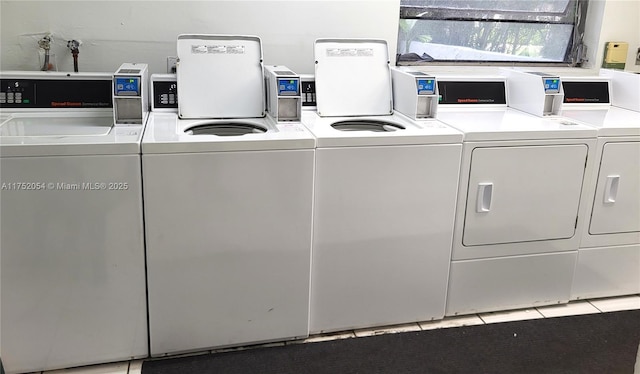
[[45, 43], [73, 46]]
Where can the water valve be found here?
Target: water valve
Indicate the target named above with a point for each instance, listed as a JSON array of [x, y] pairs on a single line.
[[45, 43], [74, 46]]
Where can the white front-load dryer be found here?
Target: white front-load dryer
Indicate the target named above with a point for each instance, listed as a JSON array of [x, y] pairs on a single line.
[[609, 255], [385, 190], [520, 205]]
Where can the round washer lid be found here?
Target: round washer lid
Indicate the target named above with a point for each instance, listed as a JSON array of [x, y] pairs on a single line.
[[366, 125], [225, 129], [166, 134]]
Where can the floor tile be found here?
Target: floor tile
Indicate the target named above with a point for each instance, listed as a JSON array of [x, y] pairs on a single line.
[[387, 330], [614, 304], [114, 368], [246, 347], [135, 367], [571, 309], [268, 345], [326, 337], [509, 316], [458, 321], [228, 349]]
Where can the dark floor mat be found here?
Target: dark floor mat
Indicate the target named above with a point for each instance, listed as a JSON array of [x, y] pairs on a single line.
[[595, 343]]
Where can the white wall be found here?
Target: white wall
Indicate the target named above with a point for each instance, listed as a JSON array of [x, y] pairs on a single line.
[[113, 32], [613, 21], [145, 31]]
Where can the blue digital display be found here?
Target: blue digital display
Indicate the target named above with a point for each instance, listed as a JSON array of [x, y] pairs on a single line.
[[288, 87], [426, 86], [551, 85], [129, 86]]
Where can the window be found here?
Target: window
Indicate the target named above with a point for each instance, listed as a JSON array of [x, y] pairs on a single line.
[[494, 31]]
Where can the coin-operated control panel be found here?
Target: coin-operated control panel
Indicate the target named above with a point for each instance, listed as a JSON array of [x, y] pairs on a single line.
[[130, 94], [415, 94], [53, 90], [164, 93], [537, 93], [284, 102]]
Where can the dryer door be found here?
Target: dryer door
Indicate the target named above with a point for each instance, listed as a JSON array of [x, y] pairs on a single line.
[[616, 206], [525, 193]]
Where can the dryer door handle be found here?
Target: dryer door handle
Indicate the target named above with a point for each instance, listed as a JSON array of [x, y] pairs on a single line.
[[611, 189], [485, 195]]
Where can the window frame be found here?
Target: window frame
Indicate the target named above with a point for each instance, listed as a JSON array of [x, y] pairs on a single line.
[[575, 54]]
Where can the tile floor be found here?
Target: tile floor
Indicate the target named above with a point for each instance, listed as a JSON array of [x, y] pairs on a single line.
[[573, 308]]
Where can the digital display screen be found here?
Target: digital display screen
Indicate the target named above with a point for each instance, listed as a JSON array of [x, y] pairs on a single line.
[[426, 86], [551, 85], [474, 92], [129, 86], [586, 92], [288, 87]]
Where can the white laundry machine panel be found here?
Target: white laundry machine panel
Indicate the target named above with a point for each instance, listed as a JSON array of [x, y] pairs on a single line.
[[228, 207], [352, 77], [609, 255], [220, 76], [73, 271], [385, 189], [624, 89], [218, 278], [606, 271], [72, 262], [510, 282], [382, 234], [513, 188], [504, 180], [618, 186], [519, 200]]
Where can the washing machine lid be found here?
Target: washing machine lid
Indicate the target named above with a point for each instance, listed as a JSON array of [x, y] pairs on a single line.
[[66, 134], [352, 77], [511, 124], [166, 133], [609, 122], [393, 129], [220, 76]]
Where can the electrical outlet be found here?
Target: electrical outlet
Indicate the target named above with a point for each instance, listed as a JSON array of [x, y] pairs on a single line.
[[638, 57], [171, 64]]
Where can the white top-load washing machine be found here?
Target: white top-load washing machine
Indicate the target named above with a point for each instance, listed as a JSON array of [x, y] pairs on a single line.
[[519, 206], [228, 204], [385, 189], [73, 272], [609, 255]]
